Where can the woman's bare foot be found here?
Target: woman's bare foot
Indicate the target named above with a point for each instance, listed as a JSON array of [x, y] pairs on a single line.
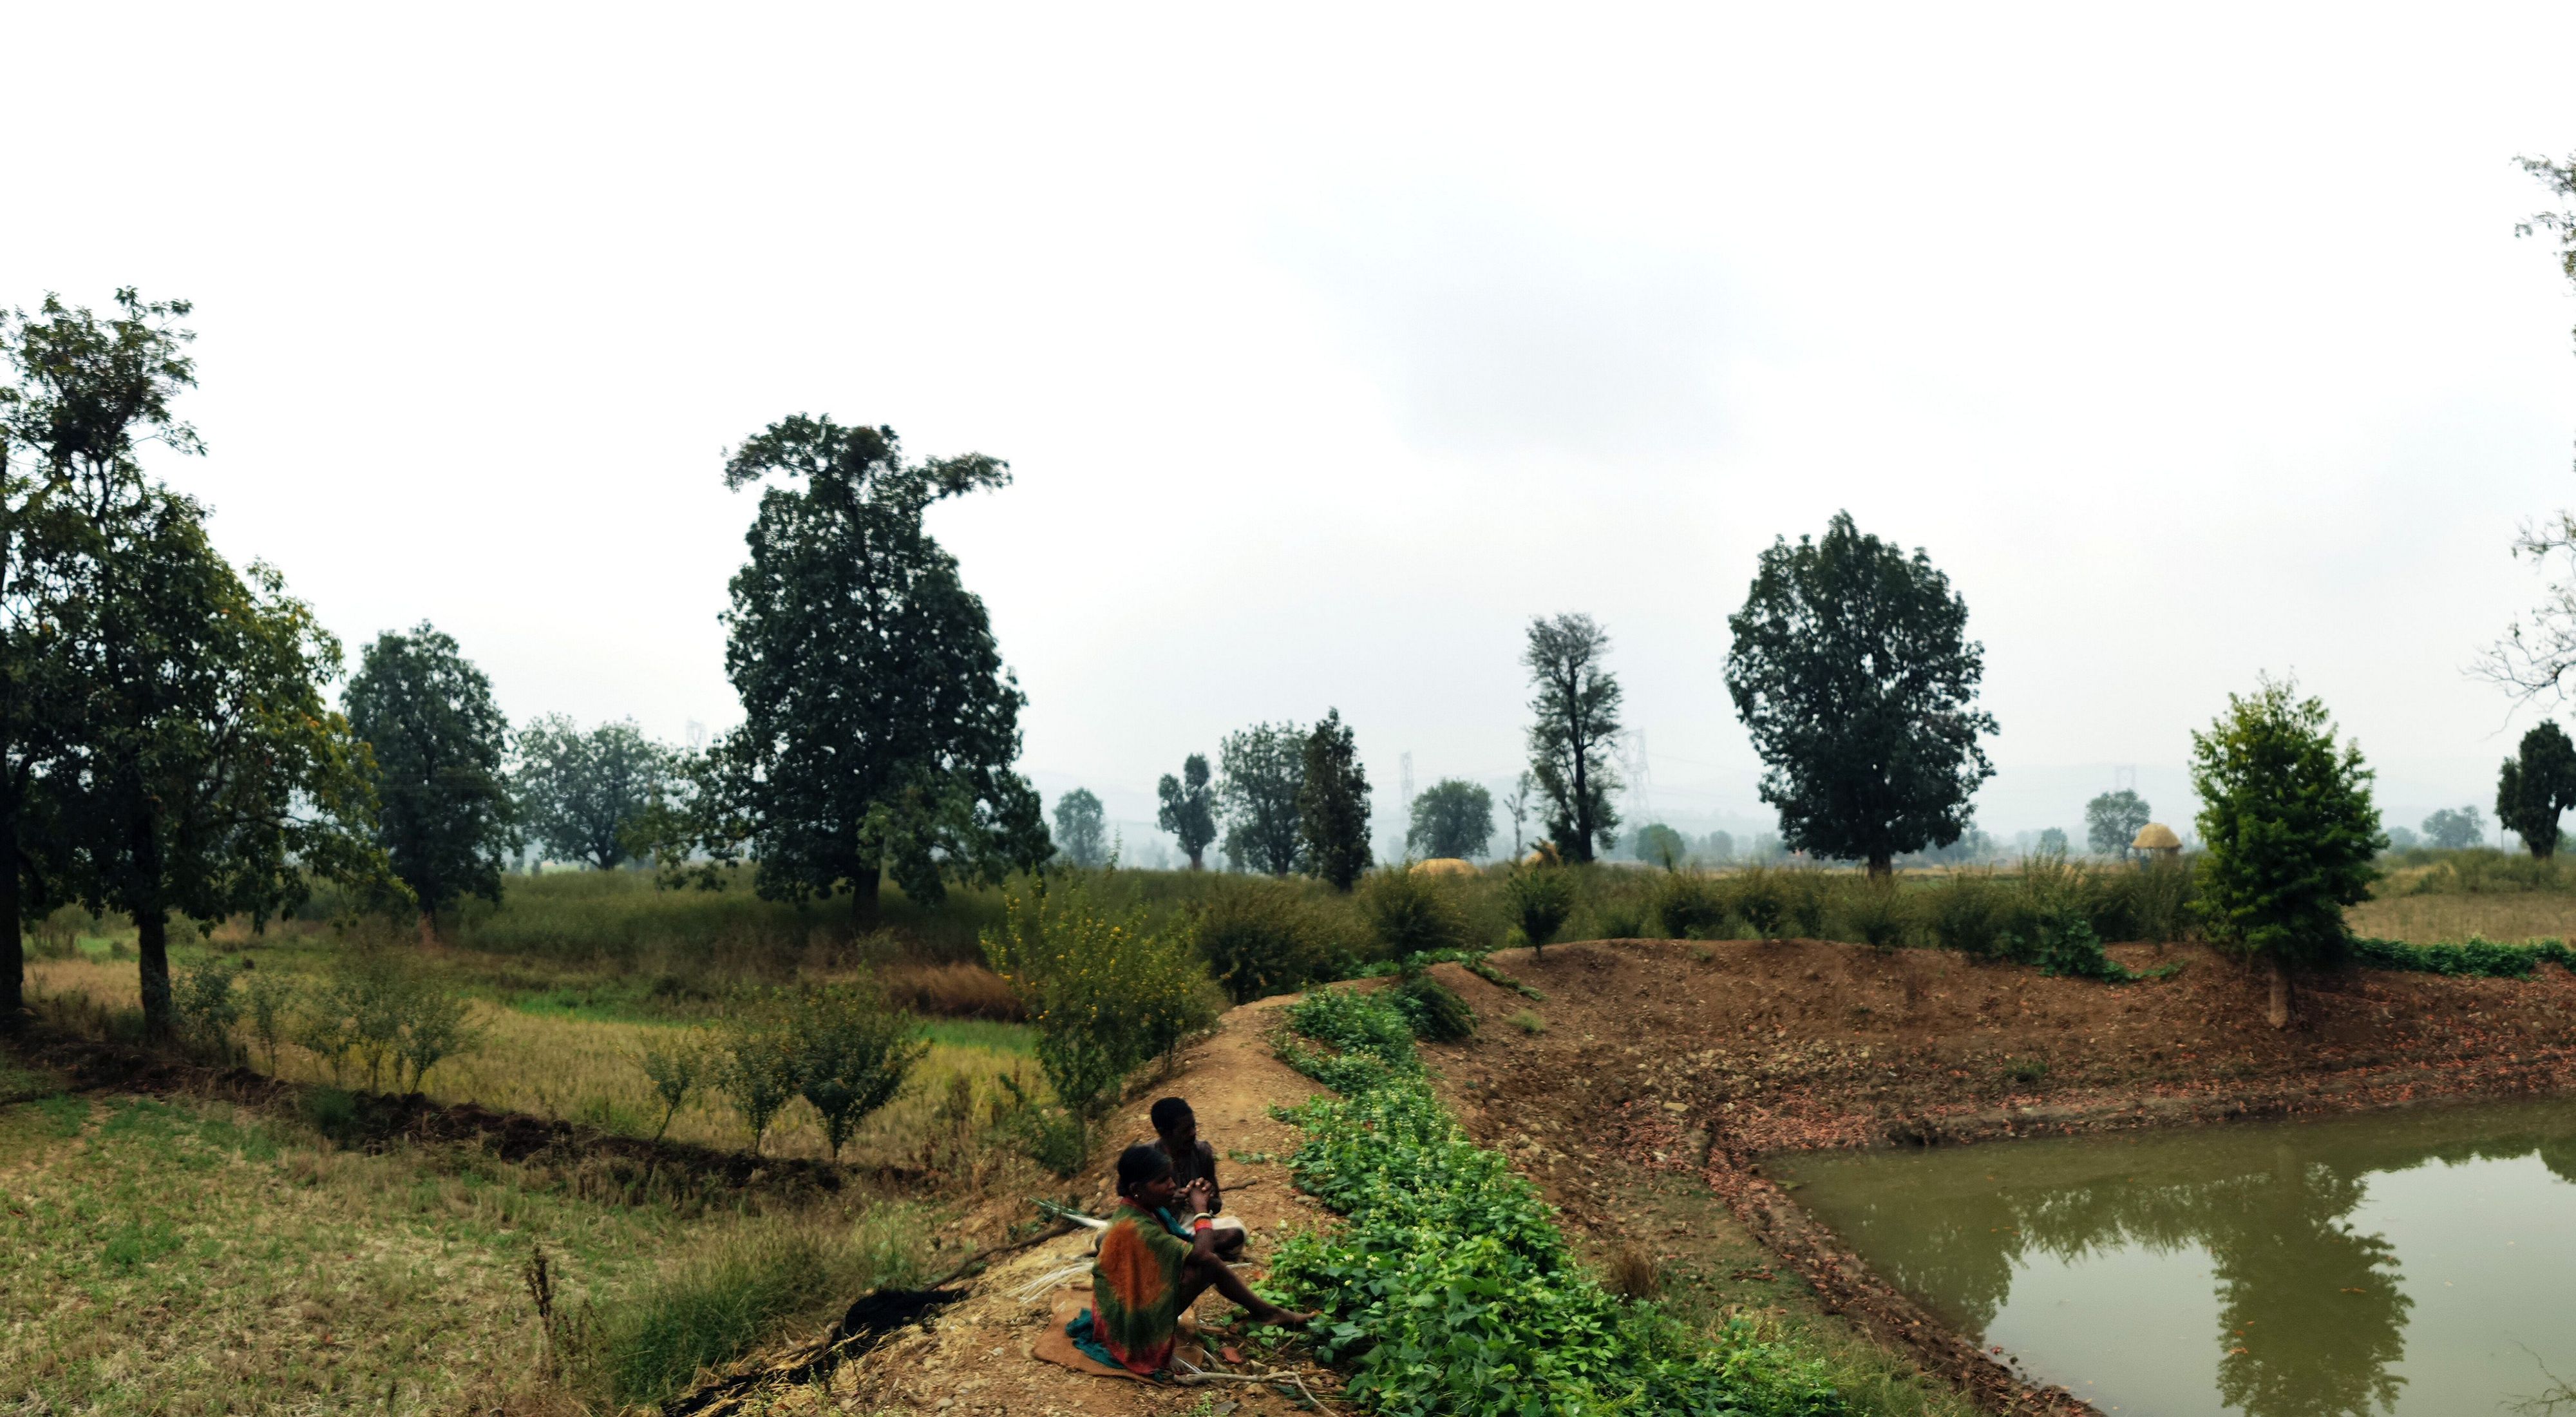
[[1286, 1318]]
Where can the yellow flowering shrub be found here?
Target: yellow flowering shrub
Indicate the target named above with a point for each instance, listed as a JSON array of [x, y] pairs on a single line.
[[1106, 993]]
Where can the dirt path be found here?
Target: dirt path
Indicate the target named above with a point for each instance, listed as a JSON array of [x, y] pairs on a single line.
[[976, 1359]]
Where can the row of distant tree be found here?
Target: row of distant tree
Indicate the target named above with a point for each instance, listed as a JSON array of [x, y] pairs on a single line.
[[1849, 666]]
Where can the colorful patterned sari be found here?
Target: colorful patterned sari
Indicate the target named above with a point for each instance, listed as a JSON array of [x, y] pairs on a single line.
[[1136, 1289]]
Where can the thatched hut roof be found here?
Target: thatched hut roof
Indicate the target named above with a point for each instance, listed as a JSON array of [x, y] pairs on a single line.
[[2156, 836], [1446, 866]]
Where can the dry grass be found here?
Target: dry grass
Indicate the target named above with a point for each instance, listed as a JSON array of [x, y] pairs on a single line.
[[589, 1070], [177, 1258], [2452, 917], [951, 991]]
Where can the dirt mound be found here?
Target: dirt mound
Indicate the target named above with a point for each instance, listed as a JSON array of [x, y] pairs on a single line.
[[1694, 1060]]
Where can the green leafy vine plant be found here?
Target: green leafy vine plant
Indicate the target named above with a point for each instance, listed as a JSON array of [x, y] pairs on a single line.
[[1450, 1289]]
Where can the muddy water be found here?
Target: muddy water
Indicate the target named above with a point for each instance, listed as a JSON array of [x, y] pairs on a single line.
[[2421, 1262]]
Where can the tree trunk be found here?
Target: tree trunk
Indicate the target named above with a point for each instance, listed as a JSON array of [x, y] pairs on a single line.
[[1881, 866], [863, 886], [428, 932], [1195, 864], [152, 943], [2277, 1011]]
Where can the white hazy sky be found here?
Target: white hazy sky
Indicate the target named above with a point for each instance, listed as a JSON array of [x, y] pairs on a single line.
[[1328, 348]]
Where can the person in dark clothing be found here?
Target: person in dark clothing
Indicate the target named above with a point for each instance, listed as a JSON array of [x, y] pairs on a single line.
[[1177, 1129]]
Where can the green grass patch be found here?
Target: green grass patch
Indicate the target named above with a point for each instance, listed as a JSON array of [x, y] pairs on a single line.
[[1451, 1289], [2472, 958]]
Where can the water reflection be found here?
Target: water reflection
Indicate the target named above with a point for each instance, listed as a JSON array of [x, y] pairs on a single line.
[[2271, 1223]]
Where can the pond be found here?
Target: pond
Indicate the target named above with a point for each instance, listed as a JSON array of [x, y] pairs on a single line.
[[2413, 1262]]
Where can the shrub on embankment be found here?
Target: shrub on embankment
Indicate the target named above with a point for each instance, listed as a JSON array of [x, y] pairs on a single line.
[[1450, 1289]]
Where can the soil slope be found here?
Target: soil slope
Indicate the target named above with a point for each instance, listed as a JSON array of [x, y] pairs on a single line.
[[1694, 1060]]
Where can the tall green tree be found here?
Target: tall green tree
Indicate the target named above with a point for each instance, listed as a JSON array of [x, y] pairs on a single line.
[[2290, 833], [1189, 808], [1573, 729], [1853, 672], [1333, 804], [2112, 821], [2536, 786], [79, 395], [194, 767], [586, 796], [446, 819], [217, 779], [879, 725], [1453, 817], [1261, 775], [1082, 828]]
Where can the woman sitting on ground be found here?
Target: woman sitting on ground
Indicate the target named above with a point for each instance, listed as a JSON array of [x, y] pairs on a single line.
[[1146, 1277]]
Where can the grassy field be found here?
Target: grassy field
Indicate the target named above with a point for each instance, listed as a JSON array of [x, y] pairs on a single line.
[[174, 1257], [581, 1062]]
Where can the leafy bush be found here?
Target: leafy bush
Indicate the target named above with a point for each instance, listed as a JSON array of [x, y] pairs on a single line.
[[206, 1006], [1690, 906], [678, 1069], [1434, 1009], [1539, 898], [1450, 1289], [1878, 912], [1107, 994], [756, 1069], [1805, 897], [2474, 958], [269, 999], [1263, 937], [373, 1010], [1969, 913], [852, 1054], [1412, 913], [1759, 899]]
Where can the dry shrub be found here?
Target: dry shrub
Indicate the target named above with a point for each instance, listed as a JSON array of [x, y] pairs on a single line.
[[950, 991], [1631, 1274]]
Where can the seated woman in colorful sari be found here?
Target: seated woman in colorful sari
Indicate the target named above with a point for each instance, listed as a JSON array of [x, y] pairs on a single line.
[[1146, 1277]]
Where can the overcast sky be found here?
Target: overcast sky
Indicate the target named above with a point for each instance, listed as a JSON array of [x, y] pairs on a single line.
[[1328, 347]]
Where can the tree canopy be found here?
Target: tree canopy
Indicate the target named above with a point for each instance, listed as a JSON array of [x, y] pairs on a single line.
[[1333, 804], [1453, 817], [2112, 821], [1082, 829], [1261, 775], [2536, 787], [1852, 671], [2290, 829], [426, 714], [1189, 808], [2455, 828], [586, 796], [879, 725], [165, 731], [1574, 726], [1660, 845], [2052, 842]]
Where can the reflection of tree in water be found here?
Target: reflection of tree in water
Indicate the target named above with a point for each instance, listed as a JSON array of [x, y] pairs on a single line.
[[2310, 1313], [2313, 1316]]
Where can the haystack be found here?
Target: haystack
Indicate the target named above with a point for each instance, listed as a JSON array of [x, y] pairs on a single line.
[[1446, 866], [2156, 839]]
